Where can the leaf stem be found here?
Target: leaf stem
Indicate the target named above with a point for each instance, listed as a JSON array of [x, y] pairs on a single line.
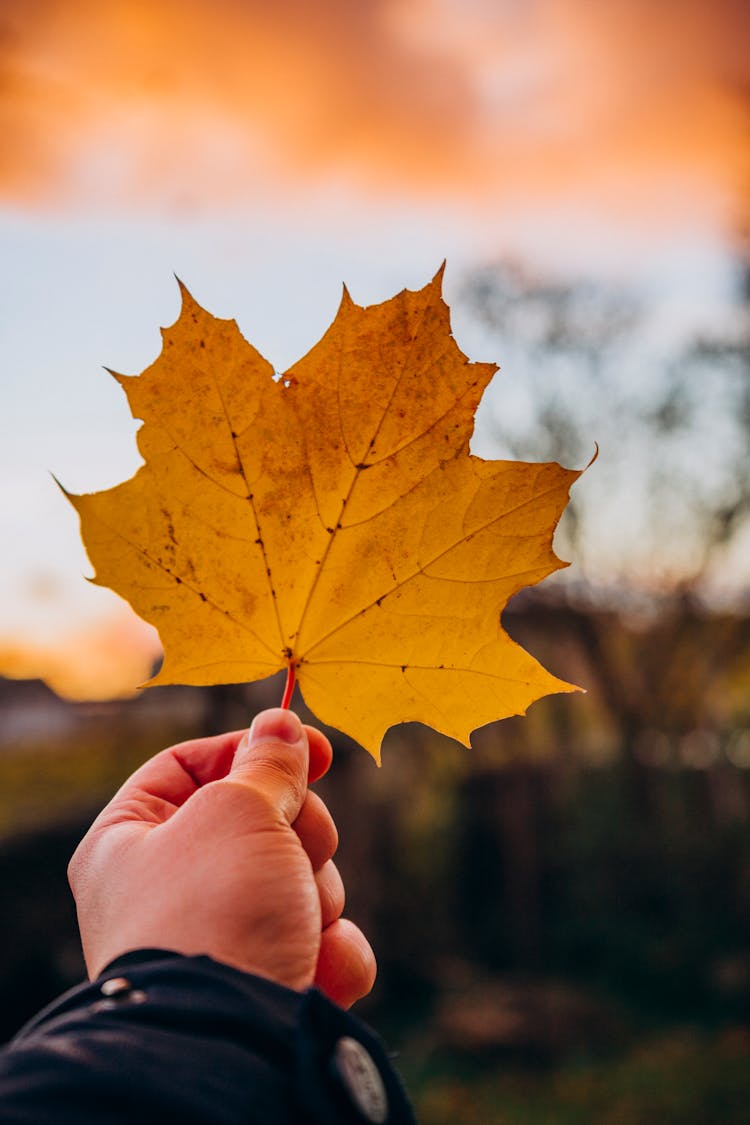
[[291, 679]]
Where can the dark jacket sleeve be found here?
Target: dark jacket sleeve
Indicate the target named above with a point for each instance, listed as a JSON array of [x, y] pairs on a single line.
[[164, 1038]]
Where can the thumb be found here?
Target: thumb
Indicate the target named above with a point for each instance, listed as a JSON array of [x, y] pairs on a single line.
[[273, 757]]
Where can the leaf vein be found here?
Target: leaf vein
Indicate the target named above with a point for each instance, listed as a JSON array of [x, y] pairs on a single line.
[[357, 472], [179, 580], [421, 570]]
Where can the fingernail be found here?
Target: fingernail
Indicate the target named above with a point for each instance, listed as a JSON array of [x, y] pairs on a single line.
[[277, 724]]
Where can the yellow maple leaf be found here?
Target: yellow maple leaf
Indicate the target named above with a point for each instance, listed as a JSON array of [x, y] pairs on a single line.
[[331, 521]]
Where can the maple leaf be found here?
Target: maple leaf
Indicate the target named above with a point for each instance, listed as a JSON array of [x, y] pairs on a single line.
[[332, 520]]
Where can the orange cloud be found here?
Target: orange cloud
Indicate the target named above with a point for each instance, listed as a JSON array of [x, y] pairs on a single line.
[[173, 89], [197, 103], [108, 659]]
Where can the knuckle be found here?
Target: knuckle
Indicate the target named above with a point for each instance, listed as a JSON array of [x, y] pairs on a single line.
[[325, 823], [78, 861], [281, 772], [252, 798]]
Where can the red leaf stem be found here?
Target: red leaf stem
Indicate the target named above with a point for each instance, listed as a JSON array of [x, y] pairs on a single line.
[[289, 687]]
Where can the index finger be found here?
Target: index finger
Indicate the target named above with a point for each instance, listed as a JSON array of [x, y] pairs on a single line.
[[210, 759], [177, 772], [321, 753], [174, 774]]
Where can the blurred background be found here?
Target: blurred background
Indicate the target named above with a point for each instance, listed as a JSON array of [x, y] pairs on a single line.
[[562, 913]]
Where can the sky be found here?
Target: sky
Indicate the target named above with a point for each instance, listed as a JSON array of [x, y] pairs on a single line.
[[266, 153]]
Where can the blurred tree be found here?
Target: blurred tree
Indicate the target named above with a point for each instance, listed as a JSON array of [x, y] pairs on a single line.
[[668, 503]]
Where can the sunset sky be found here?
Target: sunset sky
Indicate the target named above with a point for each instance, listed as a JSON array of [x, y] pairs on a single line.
[[266, 153]]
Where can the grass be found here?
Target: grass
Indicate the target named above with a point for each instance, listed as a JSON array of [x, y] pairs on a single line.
[[683, 1077]]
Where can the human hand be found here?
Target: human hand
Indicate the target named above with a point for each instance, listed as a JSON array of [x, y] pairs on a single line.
[[217, 847]]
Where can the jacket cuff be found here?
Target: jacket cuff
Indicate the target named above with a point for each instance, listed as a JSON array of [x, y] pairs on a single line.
[[332, 1068]]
